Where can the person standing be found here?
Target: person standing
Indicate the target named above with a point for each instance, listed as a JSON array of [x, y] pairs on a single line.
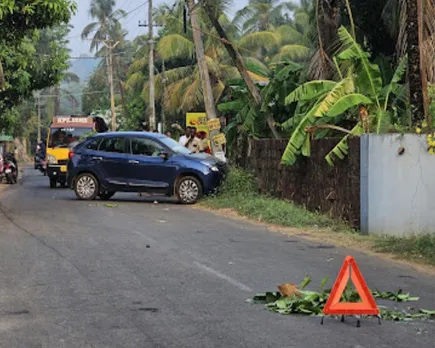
[[184, 138], [205, 143], [194, 144]]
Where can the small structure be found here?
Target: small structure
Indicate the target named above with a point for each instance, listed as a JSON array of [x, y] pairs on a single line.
[[5, 143]]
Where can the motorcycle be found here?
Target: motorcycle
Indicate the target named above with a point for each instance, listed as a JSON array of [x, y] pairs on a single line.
[[40, 164], [9, 169]]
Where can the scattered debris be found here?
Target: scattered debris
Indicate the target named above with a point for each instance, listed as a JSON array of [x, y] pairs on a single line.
[[396, 297], [292, 299], [110, 205], [289, 290]]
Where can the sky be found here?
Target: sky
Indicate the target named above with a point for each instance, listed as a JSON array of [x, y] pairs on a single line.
[[82, 18]]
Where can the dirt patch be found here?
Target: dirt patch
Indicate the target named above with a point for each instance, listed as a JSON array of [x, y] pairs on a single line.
[[350, 241]]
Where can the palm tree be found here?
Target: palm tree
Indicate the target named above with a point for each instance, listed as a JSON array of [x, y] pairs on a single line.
[[181, 90], [259, 15], [106, 26], [286, 42]]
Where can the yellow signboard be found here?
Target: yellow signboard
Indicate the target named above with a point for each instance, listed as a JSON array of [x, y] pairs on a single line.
[[197, 120], [219, 139], [214, 124]]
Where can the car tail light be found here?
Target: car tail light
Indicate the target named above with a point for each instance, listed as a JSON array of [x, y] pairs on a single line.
[[71, 155]]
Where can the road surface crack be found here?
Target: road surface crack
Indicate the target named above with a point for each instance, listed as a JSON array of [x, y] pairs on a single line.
[[40, 240]]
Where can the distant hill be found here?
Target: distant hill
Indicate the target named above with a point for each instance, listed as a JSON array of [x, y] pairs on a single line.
[[84, 67]]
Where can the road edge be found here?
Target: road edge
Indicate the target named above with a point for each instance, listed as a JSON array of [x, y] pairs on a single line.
[[5, 187], [337, 239]]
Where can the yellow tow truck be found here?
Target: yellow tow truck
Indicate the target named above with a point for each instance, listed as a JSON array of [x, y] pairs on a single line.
[[63, 134]]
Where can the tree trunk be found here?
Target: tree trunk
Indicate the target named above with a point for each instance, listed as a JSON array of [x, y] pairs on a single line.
[[414, 62], [240, 64], [2, 77], [57, 100], [330, 24], [124, 106], [328, 20], [207, 91]]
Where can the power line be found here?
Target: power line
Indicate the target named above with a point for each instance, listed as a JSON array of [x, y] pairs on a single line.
[[121, 17], [74, 94], [87, 57]]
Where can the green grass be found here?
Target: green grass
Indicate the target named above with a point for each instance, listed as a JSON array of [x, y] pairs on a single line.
[[240, 193], [416, 248]]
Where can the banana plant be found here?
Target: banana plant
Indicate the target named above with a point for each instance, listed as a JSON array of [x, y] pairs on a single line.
[[323, 102], [247, 116]]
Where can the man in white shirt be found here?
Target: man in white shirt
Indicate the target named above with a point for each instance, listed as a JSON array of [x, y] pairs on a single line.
[[183, 139]]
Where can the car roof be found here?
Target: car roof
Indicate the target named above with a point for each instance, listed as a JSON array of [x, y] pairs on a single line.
[[131, 134]]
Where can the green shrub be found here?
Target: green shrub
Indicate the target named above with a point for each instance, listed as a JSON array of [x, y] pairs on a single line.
[[240, 193]]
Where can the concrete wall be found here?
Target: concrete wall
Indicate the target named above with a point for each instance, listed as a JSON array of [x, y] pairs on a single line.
[[397, 191]]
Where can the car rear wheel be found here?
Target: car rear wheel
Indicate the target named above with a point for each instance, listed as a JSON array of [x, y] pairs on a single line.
[[188, 190], [86, 187], [105, 196]]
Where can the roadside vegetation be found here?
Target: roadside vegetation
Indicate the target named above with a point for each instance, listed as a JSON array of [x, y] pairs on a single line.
[[240, 194]]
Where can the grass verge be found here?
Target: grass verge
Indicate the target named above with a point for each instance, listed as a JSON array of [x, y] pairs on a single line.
[[240, 194]]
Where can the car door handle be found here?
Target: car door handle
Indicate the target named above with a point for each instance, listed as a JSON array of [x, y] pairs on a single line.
[[97, 158], [133, 162]]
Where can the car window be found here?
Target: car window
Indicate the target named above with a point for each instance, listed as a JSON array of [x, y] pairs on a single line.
[[145, 147], [114, 144], [93, 144]]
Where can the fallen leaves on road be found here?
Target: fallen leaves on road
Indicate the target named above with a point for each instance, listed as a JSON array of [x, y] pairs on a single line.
[[289, 290], [292, 299], [110, 205]]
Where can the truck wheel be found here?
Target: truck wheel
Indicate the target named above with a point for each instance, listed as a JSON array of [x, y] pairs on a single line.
[[53, 183], [188, 190], [86, 187]]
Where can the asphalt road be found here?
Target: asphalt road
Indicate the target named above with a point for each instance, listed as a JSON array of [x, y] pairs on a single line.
[[78, 274]]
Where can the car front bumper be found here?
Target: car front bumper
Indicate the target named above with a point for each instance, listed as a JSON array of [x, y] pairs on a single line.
[[214, 181]]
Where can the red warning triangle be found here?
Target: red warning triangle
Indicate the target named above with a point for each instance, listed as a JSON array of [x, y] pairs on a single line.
[[333, 306]]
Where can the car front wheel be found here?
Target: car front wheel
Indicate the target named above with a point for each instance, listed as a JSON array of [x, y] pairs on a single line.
[[86, 187], [188, 190]]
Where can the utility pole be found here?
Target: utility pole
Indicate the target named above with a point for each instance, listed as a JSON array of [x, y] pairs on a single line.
[[109, 61], [164, 94], [152, 102], [239, 63], [209, 102], [151, 67], [39, 116]]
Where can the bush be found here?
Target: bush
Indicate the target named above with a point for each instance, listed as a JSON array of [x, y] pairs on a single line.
[[238, 182], [240, 193]]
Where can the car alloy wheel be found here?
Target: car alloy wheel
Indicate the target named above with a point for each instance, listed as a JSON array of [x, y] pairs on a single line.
[[86, 187], [189, 190]]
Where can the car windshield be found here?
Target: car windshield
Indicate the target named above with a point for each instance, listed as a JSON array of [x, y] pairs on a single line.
[[174, 146], [65, 137]]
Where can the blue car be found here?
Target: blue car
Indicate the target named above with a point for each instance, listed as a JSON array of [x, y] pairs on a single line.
[[107, 163]]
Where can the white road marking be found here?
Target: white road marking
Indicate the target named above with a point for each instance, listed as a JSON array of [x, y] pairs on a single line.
[[149, 239], [224, 277], [218, 274]]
